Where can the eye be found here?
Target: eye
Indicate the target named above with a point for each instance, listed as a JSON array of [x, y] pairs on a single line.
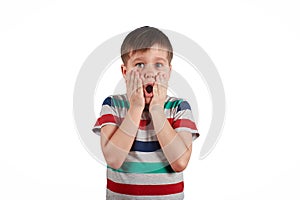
[[140, 65], [159, 65]]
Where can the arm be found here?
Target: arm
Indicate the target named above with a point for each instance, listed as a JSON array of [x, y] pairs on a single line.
[[116, 142], [177, 146]]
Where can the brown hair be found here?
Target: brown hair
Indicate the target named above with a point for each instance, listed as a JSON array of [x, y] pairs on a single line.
[[142, 39]]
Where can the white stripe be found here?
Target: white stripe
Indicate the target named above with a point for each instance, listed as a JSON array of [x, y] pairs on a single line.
[[185, 129], [96, 129], [184, 114], [122, 111], [145, 115], [172, 99], [194, 133], [136, 156], [144, 179], [110, 195], [106, 109], [146, 135]]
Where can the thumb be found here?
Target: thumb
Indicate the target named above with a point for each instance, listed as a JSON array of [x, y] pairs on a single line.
[[155, 89]]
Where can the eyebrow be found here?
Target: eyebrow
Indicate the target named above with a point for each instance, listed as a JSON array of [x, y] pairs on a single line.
[[138, 59], [160, 58], [141, 58]]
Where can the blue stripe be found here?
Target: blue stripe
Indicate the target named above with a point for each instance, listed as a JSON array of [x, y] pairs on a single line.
[[107, 101], [183, 106], [145, 146], [120, 103]]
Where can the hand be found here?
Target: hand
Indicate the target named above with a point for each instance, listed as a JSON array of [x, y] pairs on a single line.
[[134, 89], [160, 88]]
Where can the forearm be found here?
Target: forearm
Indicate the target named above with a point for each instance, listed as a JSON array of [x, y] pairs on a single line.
[[117, 144], [176, 146]]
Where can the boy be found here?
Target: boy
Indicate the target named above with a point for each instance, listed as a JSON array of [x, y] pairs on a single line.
[[146, 136]]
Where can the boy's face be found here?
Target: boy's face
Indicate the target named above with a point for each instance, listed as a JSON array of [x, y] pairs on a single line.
[[149, 64]]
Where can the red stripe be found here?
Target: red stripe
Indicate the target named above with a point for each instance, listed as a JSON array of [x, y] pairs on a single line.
[[171, 120], [141, 190], [105, 119], [145, 124], [184, 123]]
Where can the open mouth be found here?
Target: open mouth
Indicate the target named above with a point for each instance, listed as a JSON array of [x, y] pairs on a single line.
[[148, 90]]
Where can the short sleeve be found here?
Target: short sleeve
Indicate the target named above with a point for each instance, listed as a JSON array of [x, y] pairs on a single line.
[[108, 115], [184, 121]]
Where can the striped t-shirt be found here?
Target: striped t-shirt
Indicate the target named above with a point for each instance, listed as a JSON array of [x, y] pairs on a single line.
[[146, 173]]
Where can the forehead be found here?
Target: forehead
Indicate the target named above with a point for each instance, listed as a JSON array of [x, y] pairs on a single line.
[[151, 53]]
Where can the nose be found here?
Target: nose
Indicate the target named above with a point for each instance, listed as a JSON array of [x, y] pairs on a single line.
[[148, 73]]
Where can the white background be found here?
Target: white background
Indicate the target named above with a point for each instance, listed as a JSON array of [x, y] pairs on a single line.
[[255, 46]]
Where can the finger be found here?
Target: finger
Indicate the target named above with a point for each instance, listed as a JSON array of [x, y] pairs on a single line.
[[155, 89], [160, 84], [157, 76], [136, 78], [139, 85], [127, 77], [131, 84], [163, 81]]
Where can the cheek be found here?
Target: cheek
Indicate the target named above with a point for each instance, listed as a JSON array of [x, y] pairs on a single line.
[[166, 72], [136, 69], [165, 75], [140, 71]]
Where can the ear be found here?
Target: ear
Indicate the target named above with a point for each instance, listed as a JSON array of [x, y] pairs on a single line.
[[124, 70]]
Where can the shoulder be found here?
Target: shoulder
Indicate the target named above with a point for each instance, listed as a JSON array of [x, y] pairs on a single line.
[[119, 100], [177, 103]]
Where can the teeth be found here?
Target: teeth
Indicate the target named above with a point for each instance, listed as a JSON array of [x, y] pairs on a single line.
[[149, 89]]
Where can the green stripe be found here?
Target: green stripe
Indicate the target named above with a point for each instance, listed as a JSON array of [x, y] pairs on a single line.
[[144, 168], [120, 103], [172, 104], [125, 104]]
